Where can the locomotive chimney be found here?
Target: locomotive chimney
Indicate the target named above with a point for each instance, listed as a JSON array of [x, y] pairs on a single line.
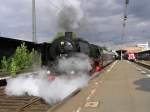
[[69, 35]]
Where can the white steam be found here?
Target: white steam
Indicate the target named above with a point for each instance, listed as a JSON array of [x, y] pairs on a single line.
[[80, 63], [69, 14], [37, 84]]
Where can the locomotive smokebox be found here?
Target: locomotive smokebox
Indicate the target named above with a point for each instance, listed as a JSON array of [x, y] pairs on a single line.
[[69, 35]]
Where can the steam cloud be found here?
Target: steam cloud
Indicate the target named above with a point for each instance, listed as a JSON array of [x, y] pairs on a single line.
[[70, 14], [37, 84]]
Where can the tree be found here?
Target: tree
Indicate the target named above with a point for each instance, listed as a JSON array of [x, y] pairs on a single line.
[[20, 60]]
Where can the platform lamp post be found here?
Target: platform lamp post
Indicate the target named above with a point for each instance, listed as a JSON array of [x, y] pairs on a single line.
[[33, 22]]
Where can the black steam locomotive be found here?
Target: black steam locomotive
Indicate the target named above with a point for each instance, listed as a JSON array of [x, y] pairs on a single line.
[[67, 46]]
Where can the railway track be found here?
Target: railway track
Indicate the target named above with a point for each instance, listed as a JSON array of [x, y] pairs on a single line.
[[143, 64], [28, 103], [21, 103]]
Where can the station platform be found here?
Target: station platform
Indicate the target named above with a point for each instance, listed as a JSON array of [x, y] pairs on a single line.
[[122, 87]]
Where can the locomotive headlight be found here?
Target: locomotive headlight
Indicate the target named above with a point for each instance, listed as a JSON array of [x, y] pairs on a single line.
[[72, 72], [62, 42], [48, 72]]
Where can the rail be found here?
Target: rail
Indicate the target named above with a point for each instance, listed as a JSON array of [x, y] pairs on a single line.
[[143, 64]]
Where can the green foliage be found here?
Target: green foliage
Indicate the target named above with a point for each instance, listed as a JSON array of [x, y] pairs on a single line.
[[13, 67], [4, 64], [59, 34], [105, 48], [22, 59], [74, 35], [34, 58]]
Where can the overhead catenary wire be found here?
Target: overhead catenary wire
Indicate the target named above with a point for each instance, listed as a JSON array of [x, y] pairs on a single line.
[[57, 7], [53, 5]]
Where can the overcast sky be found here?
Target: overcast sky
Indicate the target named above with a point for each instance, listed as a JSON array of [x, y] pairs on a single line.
[[100, 23]]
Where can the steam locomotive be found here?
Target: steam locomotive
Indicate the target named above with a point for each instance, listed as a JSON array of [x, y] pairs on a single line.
[[67, 46]]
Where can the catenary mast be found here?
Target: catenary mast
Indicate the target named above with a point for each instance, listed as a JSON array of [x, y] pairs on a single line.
[[33, 22], [124, 22]]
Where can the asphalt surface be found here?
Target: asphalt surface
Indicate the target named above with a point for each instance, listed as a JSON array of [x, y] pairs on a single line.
[[123, 87]]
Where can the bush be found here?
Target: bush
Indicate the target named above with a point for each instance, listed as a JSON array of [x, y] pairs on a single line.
[[22, 59], [4, 64]]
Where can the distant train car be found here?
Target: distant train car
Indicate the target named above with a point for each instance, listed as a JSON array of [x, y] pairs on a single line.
[[131, 57]]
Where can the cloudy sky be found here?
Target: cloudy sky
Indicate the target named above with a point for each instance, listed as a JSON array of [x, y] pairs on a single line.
[[99, 21]]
